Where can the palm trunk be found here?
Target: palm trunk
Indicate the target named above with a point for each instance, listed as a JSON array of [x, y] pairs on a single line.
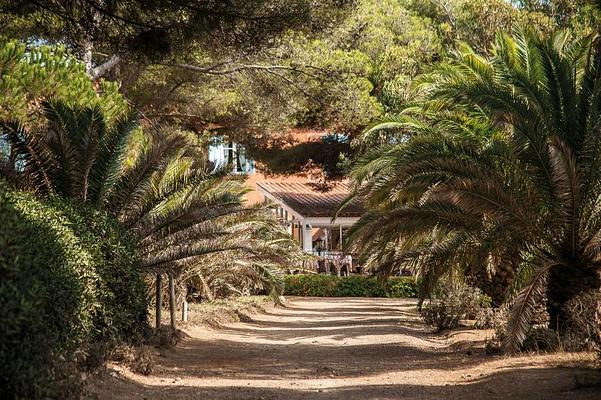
[[496, 285], [565, 283]]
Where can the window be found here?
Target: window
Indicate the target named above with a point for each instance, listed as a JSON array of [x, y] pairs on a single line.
[[222, 152]]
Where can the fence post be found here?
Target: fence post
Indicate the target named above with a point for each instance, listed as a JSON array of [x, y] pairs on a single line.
[[159, 300], [172, 300], [185, 311]]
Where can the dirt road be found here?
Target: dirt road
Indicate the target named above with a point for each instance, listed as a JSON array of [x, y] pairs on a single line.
[[344, 349]]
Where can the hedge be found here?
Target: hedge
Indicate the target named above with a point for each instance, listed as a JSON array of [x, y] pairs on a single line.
[[348, 286], [69, 289]]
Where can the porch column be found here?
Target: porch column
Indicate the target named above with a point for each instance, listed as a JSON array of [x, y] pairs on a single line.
[[307, 237], [288, 223]]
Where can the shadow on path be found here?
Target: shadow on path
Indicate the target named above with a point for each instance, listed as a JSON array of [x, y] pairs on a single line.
[[341, 349], [531, 384]]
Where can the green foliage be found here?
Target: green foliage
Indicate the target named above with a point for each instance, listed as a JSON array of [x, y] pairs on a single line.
[[340, 77], [70, 289], [348, 286], [156, 185], [179, 63], [397, 41], [401, 287], [182, 214], [154, 31], [490, 318], [477, 22], [177, 209], [122, 292], [580, 15], [350, 66], [28, 75], [283, 157], [328, 65], [77, 154]]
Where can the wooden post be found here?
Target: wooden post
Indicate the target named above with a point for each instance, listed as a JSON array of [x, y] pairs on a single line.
[[185, 311], [172, 300], [159, 301]]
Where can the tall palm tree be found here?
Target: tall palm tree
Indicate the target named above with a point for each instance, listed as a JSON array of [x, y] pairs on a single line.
[[501, 166]]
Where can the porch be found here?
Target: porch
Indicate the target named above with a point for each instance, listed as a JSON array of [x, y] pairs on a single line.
[[308, 215]]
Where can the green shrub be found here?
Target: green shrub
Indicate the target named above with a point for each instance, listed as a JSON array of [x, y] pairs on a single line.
[[452, 303], [540, 339], [348, 286], [401, 287], [69, 287], [122, 292], [359, 286]]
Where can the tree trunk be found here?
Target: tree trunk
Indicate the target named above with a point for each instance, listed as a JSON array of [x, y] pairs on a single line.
[[87, 56], [565, 283], [172, 301], [99, 71], [494, 285], [87, 48], [159, 301]]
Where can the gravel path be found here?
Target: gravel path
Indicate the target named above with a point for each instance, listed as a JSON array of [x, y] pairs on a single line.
[[345, 348]]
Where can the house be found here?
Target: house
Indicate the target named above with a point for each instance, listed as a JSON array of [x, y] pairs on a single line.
[[305, 209]]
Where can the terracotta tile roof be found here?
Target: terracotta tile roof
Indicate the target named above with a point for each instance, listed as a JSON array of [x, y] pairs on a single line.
[[303, 198]]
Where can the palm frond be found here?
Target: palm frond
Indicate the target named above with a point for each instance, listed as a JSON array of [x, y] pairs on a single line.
[[523, 307]]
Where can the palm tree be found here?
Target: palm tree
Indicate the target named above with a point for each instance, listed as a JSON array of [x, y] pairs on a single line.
[[77, 156], [404, 229], [179, 211], [183, 213], [501, 166]]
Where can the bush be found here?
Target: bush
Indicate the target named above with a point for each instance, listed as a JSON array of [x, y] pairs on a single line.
[[451, 304], [122, 291], [583, 330], [490, 318], [69, 289], [401, 287], [139, 359], [538, 337], [348, 286]]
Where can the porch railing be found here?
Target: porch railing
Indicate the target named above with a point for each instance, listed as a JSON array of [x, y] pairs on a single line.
[[331, 262]]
